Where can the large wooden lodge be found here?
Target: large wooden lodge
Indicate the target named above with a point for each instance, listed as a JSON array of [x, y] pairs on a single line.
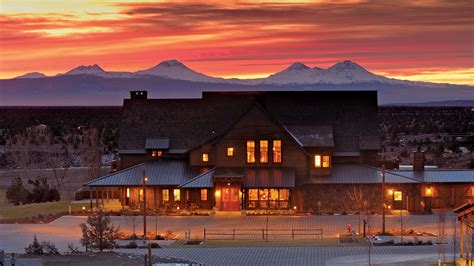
[[232, 151]]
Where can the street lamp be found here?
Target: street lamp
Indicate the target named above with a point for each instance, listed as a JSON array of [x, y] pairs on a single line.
[[383, 199], [145, 180]]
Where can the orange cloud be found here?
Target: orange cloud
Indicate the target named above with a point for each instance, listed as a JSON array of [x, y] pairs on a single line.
[[240, 39]]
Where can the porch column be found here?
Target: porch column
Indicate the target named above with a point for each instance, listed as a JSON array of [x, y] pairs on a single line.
[[107, 193], [461, 239], [154, 198], [102, 196], [90, 197], [97, 197]]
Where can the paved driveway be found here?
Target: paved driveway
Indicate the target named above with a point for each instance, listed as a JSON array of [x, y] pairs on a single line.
[[14, 237]]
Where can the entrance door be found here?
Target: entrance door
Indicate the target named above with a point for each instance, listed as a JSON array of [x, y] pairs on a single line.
[[230, 199]]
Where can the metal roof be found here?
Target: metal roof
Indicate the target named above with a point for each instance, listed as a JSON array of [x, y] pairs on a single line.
[[201, 181], [311, 136], [229, 172], [138, 151], [441, 175], [157, 143], [266, 177], [360, 174], [172, 172]]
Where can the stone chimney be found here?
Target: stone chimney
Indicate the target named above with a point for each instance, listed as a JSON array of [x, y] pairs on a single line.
[[139, 95], [419, 160]]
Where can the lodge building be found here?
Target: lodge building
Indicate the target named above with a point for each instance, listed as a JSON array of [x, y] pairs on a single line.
[[280, 150]]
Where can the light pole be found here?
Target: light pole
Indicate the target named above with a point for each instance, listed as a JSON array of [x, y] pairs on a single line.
[[383, 199], [145, 180]]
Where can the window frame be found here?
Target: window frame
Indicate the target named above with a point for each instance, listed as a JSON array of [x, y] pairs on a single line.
[[318, 161], [167, 198], [204, 194], [254, 151], [230, 152], [205, 155], [176, 195], [328, 161], [274, 152], [260, 151]]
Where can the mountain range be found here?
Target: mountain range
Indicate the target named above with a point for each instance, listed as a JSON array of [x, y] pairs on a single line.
[[92, 85]]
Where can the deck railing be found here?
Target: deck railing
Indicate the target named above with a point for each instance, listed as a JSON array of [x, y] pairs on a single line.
[[262, 234]]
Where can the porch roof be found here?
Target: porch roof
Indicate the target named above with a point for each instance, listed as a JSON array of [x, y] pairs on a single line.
[[203, 180], [160, 172]]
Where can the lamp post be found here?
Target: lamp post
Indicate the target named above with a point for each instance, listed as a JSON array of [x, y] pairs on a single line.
[[383, 199], [145, 180]]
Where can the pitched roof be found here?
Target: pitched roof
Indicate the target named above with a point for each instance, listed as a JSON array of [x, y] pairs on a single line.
[[191, 122], [203, 180], [312, 136], [362, 174], [269, 177], [157, 143], [172, 172]]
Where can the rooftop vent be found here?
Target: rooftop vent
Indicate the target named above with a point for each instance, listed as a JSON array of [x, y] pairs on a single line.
[[142, 95]]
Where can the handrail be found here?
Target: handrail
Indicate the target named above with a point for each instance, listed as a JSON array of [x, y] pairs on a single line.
[[263, 233]]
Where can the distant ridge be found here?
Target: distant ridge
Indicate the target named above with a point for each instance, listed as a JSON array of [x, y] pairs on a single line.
[[455, 103]]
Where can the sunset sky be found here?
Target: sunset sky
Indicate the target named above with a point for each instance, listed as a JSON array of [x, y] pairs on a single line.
[[417, 40]]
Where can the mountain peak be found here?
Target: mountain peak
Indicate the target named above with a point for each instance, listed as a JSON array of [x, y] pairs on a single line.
[[347, 64], [82, 69], [171, 63], [31, 75], [297, 66]]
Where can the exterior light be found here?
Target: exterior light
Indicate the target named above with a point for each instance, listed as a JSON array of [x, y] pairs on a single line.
[[177, 208], [228, 184], [128, 192], [145, 179], [218, 193], [294, 207], [390, 192], [83, 208], [389, 206], [429, 191]]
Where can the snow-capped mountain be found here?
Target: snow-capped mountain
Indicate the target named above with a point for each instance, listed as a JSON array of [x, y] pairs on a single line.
[[345, 72], [32, 75], [174, 69], [86, 70]]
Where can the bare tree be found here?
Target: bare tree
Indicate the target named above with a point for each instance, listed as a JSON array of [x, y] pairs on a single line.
[[357, 200], [91, 153]]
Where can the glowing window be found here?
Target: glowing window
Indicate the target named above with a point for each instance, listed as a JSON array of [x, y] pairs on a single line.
[[273, 194], [128, 192], [317, 160], [277, 151], [204, 194], [325, 161], [263, 194], [284, 194], [165, 194], [250, 151], [253, 194], [264, 151], [205, 157], [397, 195], [157, 153], [230, 151], [176, 195]]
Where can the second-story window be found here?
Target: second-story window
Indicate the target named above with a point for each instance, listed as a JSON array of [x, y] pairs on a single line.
[[325, 161], [317, 160], [250, 151], [277, 151], [264, 151], [205, 157], [156, 153], [230, 151]]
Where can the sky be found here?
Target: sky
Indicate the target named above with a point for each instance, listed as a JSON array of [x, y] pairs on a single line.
[[429, 40]]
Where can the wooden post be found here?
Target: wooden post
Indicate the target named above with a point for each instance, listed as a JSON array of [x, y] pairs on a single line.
[[107, 193], [461, 239], [97, 197], [90, 197], [154, 197]]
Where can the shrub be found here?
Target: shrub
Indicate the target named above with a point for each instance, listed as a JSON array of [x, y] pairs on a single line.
[[49, 248], [98, 232], [34, 248], [17, 192]]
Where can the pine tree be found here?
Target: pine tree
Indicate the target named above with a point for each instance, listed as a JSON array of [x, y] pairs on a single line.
[[98, 232]]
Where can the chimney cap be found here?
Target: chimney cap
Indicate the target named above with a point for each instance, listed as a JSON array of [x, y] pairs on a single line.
[[139, 95]]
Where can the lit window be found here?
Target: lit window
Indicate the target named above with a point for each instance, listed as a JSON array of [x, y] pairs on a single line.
[[253, 194], [140, 195], [250, 151], [203, 194], [273, 194], [277, 151], [264, 151], [128, 192], [397, 195], [263, 194], [325, 161], [317, 160], [157, 153], [284, 194], [166, 194], [205, 157], [230, 151], [176, 195]]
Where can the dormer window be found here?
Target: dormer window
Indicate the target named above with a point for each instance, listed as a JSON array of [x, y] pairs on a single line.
[[326, 161], [321, 161], [156, 153], [205, 157], [317, 161]]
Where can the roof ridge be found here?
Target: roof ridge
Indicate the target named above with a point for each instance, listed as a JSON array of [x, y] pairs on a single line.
[[114, 173]]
